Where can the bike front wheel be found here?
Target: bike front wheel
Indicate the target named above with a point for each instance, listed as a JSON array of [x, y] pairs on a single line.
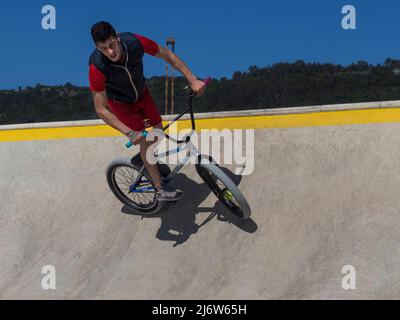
[[223, 187], [139, 196]]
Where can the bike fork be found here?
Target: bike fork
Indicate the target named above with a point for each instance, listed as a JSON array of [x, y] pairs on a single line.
[[134, 188]]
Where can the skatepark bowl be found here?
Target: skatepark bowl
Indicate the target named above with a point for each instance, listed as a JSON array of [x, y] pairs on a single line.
[[324, 195]]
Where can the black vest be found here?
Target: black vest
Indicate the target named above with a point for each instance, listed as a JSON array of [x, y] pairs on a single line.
[[125, 83]]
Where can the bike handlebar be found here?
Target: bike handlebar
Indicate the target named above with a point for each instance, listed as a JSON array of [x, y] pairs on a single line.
[[190, 91], [129, 144], [207, 80]]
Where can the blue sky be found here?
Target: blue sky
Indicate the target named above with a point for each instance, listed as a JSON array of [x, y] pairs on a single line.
[[214, 38]]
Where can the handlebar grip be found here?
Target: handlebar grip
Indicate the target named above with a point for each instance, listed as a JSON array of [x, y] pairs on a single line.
[[130, 144], [189, 90], [207, 80]]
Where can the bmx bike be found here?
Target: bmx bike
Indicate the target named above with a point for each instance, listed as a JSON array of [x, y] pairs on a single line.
[[130, 182]]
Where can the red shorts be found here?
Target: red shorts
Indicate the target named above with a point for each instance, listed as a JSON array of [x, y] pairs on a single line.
[[134, 115]]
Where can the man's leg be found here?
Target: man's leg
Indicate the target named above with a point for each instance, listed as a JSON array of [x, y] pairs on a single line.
[[151, 168], [164, 192]]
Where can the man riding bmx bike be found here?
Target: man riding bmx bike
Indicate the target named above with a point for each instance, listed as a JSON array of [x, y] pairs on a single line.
[[120, 95]]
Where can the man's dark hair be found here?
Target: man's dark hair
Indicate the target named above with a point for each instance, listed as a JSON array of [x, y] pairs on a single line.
[[101, 31]]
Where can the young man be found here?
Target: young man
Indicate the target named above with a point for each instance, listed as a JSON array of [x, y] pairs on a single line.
[[120, 95]]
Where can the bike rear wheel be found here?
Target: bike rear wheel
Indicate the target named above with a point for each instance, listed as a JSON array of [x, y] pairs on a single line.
[[141, 197], [224, 188]]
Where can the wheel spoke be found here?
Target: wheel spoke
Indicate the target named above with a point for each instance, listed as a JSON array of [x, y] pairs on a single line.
[[125, 174], [122, 179], [124, 183]]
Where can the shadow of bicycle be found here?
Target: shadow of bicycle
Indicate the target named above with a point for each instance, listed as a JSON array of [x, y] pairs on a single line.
[[178, 221]]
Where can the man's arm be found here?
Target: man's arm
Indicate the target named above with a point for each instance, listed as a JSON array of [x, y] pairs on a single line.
[[100, 103], [164, 53]]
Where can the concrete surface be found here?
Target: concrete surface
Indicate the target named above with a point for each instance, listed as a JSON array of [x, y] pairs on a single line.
[[321, 198]]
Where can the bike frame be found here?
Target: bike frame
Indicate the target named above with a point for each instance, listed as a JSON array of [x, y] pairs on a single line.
[[191, 149]]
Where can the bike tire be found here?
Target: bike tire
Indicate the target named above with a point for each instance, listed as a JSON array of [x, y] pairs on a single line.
[[148, 209], [211, 174]]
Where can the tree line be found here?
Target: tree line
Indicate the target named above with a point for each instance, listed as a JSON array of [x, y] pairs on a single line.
[[275, 86]]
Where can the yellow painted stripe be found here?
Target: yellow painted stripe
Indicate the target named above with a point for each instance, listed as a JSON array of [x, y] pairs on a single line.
[[57, 133], [333, 118], [254, 122]]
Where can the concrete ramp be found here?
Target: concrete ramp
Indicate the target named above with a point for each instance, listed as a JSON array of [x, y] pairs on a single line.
[[322, 198]]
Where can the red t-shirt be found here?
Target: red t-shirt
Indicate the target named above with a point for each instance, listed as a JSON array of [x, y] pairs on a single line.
[[97, 79]]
